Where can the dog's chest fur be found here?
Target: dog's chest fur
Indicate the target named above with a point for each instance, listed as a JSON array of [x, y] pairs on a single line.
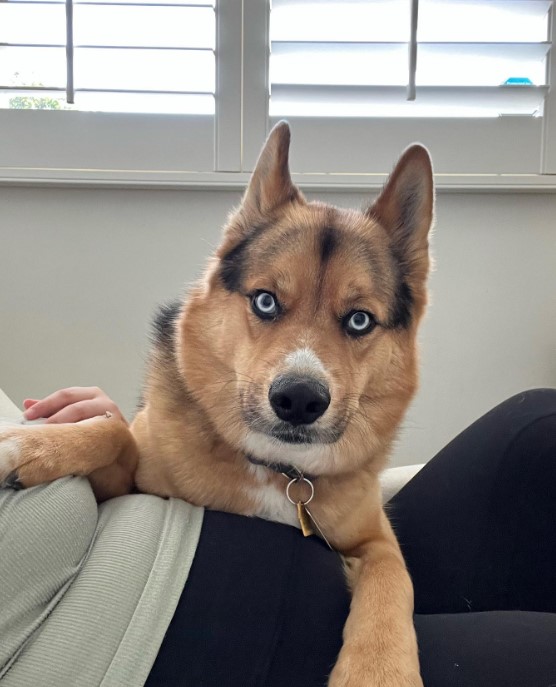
[[271, 502]]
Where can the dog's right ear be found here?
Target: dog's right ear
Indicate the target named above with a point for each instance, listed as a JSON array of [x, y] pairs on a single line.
[[271, 185], [270, 188]]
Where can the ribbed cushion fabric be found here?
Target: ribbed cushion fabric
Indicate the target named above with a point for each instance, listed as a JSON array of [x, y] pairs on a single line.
[[45, 534], [86, 594]]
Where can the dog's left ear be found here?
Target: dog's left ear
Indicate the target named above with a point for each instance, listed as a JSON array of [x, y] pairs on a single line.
[[270, 188], [405, 209], [270, 185]]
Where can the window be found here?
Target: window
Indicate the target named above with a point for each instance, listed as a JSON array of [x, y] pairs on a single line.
[[108, 55], [467, 78], [472, 59], [107, 91], [172, 92]]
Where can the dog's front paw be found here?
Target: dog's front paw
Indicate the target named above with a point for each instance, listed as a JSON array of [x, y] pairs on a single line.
[[358, 669], [10, 457], [29, 455]]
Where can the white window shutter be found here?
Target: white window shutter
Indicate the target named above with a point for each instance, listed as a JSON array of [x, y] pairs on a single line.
[[144, 82], [340, 71], [351, 59], [125, 56], [480, 87]]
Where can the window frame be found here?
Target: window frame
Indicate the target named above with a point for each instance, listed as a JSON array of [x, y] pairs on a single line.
[[204, 152]]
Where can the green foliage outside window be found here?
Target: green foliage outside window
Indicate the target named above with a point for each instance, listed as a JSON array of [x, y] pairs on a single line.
[[31, 103]]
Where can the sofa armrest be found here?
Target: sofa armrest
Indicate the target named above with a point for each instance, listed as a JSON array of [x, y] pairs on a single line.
[[393, 479], [8, 409]]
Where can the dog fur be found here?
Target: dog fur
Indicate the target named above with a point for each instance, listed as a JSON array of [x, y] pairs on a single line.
[[207, 431]]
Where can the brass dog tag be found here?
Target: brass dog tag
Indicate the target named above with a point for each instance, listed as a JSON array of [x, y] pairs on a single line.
[[304, 520]]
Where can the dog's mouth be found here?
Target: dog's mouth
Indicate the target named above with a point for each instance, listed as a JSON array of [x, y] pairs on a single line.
[[294, 435], [284, 433]]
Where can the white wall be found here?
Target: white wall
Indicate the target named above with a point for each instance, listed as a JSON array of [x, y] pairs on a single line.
[[81, 271]]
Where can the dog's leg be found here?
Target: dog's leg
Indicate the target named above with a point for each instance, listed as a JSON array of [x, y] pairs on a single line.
[[380, 646], [102, 448]]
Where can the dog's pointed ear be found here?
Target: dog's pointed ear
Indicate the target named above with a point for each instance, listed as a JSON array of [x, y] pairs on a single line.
[[270, 185], [270, 188], [405, 209]]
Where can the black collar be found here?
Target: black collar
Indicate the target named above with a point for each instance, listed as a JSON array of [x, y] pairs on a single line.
[[289, 471]]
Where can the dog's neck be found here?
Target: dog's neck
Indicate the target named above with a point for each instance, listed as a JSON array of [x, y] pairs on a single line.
[[289, 471]]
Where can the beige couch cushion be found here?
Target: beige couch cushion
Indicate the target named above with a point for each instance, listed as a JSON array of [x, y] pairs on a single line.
[[8, 408]]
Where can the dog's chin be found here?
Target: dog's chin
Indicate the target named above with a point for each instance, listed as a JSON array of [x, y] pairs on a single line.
[[295, 436], [311, 457]]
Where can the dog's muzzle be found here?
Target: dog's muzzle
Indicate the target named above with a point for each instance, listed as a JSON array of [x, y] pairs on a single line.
[[298, 400]]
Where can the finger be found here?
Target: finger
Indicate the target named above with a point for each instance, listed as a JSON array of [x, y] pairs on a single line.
[[28, 402], [60, 399], [82, 410]]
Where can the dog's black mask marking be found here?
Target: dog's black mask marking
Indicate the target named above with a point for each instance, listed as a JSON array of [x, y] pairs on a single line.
[[164, 324], [164, 336], [232, 265], [328, 243], [401, 311]]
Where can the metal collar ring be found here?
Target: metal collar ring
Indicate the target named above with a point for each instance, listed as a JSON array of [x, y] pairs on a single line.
[[296, 480]]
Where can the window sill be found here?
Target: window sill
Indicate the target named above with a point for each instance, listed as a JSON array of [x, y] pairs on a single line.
[[214, 181]]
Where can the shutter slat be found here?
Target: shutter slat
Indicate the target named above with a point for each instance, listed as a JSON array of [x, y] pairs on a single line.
[[489, 20], [127, 3], [339, 63], [345, 20], [371, 101], [481, 64], [385, 63]]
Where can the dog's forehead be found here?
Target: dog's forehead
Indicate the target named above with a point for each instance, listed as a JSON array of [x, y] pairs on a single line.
[[321, 238]]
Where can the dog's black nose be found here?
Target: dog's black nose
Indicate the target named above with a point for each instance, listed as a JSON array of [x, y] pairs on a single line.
[[299, 401]]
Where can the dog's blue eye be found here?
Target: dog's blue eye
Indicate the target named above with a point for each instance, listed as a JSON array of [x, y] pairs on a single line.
[[359, 322], [265, 305]]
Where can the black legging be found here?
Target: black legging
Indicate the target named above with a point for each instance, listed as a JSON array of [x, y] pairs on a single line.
[[264, 607]]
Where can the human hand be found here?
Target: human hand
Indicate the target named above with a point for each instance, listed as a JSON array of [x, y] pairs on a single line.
[[71, 405]]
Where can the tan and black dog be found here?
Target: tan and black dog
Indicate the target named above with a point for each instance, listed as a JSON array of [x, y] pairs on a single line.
[[294, 355]]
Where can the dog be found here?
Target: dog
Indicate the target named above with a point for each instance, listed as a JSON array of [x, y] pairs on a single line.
[[277, 387]]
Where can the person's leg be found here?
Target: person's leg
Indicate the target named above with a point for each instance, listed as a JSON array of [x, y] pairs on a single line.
[[492, 649], [262, 607], [477, 525]]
